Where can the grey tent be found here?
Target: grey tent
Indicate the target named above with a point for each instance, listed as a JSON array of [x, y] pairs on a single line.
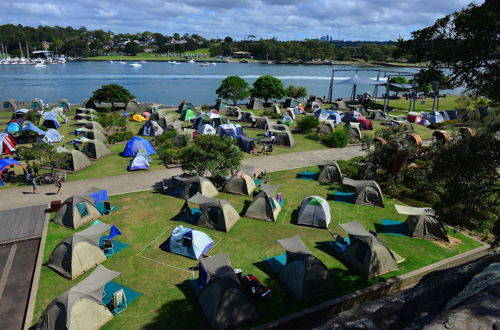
[[354, 131], [220, 105], [91, 134], [223, 300], [327, 128], [216, 213], [317, 99], [186, 186], [290, 103], [89, 124], [311, 105], [283, 134], [276, 108], [37, 105], [184, 105], [376, 115], [9, 105], [84, 116], [422, 223], [407, 126], [64, 103], [75, 161], [232, 111], [78, 253], [264, 206], [76, 211], [304, 275], [314, 212], [246, 116], [368, 192], [240, 184], [255, 104], [262, 123], [134, 106], [340, 106], [80, 307], [330, 173], [95, 149], [366, 254]]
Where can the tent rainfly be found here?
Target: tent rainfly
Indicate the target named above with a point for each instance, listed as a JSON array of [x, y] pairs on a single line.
[[7, 144], [314, 212], [240, 184], [134, 106], [223, 300], [151, 128], [52, 135], [137, 144], [95, 149], [255, 104], [78, 253], [354, 131], [327, 127], [366, 254], [76, 160], [264, 206], [422, 223], [9, 105], [330, 173], [283, 134], [186, 186], [368, 192], [188, 242], [76, 211], [216, 213], [304, 275], [262, 123], [141, 161], [80, 307]]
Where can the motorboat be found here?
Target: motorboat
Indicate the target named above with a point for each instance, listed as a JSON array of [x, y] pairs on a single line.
[[213, 63], [110, 61], [40, 65], [135, 65], [121, 62], [204, 64], [191, 61]]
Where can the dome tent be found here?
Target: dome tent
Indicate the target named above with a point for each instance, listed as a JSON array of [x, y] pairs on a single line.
[[366, 254], [255, 104], [9, 105], [240, 184], [13, 127], [304, 275], [151, 129], [185, 186], [141, 161], [52, 135], [422, 223], [76, 211], [222, 299], [368, 192], [314, 212], [76, 160], [330, 173], [81, 305], [95, 149], [78, 253], [188, 242], [215, 213], [264, 206], [137, 144], [28, 126]]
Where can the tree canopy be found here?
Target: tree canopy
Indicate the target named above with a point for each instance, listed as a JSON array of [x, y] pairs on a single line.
[[268, 87], [466, 42], [296, 91], [46, 155], [398, 80], [211, 153], [112, 93], [233, 88]]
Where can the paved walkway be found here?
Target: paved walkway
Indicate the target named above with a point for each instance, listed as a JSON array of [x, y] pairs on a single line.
[[147, 180]]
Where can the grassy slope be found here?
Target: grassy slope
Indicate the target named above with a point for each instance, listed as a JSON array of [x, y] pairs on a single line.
[[447, 103], [168, 300]]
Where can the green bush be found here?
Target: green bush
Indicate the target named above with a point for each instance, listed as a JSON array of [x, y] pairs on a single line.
[[108, 120], [166, 137], [339, 138], [270, 114], [307, 123], [206, 107], [120, 136], [350, 168], [31, 116], [168, 153], [313, 136]]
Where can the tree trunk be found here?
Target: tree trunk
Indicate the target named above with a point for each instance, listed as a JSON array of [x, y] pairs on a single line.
[[112, 106]]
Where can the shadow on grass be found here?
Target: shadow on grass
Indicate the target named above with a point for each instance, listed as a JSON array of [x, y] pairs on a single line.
[[246, 205], [294, 216]]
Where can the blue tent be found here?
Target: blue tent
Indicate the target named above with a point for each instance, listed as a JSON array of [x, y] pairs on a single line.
[[140, 161], [50, 120], [188, 242], [52, 135], [13, 127], [137, 144], [31, 127], [7, 162], [230, 130]]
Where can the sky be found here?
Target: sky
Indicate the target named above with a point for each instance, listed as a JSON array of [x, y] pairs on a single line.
[[283, 19]]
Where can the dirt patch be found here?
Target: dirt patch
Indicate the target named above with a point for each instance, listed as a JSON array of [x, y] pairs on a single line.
[[453, 241]]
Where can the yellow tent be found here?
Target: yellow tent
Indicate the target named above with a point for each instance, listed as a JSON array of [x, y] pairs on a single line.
[[137, 118]]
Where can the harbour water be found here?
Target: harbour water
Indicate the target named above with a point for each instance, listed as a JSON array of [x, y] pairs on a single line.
[[165, 83]]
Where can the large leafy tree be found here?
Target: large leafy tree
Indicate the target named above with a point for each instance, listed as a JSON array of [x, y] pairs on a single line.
[[268, 87], [112, 93], [233, 88], [45, 154], [132, 48], [466, 178], [466, 42], [296, 91], [398, 80], [211, 153]]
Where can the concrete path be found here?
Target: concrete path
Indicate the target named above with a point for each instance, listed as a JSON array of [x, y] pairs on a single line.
[[147, 180]]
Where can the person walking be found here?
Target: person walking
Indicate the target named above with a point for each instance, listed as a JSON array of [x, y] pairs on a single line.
[[34, 185], [58, 184]]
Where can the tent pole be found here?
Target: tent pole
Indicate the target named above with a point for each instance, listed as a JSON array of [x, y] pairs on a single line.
[[375, 89], [437, 95], [386, 99], [330, 89]]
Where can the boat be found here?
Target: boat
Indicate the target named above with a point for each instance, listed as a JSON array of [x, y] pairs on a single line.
[[204, 64], [143, 61], [135, 65], [121, 62], [190, 61], [173, 62], [110, 61], [213, 63], [40, 65]]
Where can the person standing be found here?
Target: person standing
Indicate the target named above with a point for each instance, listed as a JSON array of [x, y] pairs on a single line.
[[34, 185], [35, 169], [58, 184]]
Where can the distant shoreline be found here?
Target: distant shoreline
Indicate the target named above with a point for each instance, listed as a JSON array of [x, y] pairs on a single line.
[[198, 61]]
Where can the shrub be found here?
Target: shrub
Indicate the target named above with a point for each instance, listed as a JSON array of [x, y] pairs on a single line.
[[31, 116], [108, 120], [270, 114], [168, 153], [339, 138], [350, 168], [306, 123], [120, 136], [206, 107], [313, 136]]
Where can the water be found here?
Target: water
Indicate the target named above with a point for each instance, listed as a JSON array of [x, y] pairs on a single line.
[[162, 82]]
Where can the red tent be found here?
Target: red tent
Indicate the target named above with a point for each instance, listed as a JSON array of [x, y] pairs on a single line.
[[7, 144]]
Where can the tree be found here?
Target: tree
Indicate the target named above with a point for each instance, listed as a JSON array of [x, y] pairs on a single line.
[[211, 153], [466, 42], [233, 88], [296, 91], [267, 87], [307, 123], [132, 48], [466, 178], [112, 93], [398, 80], [46, 155]]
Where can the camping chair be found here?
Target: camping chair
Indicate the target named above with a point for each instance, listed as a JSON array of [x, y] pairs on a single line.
[[119, 302], [108, 247], [107, 207]]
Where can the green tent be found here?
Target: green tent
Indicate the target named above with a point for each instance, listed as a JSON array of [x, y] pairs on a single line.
[[76, 211], [187, 114]]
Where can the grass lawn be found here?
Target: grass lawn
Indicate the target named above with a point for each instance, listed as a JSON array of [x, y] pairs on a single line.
[[167, 297], [447, 103], [150, 56]]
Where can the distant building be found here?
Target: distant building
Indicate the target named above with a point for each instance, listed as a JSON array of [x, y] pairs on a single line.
[[242, 55]]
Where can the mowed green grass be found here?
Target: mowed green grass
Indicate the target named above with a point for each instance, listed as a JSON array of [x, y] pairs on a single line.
[[168, 300], [447, 103]]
